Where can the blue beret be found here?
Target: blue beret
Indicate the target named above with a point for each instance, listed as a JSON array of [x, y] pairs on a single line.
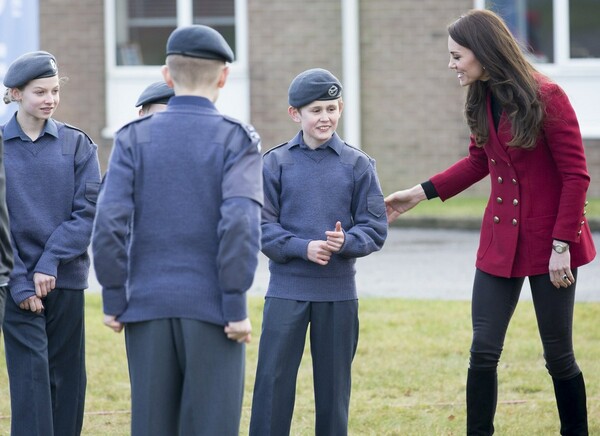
[[199, 41], [311, 85], [156, 93], [30, 66]]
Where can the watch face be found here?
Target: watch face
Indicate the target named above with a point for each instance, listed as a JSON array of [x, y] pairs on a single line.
[[559, 248]]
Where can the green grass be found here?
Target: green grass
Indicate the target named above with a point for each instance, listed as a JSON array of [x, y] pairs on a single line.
[[408, 374], [472, 207]]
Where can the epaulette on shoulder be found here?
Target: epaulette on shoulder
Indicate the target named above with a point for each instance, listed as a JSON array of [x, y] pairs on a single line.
[[274, 148], [248, 129], [134, 121], [79, 130], [359, 150]]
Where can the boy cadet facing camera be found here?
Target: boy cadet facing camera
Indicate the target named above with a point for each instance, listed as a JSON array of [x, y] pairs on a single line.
[[190, 180], [323, 209]]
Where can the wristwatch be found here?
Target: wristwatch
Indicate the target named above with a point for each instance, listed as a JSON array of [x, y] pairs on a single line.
[[560, 247]]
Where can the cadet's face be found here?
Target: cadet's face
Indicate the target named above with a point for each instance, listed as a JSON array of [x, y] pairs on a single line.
[[152, 108], [463, 61], [319, 120], [40, 97]]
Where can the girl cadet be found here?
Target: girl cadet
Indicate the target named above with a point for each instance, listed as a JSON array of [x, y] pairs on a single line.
[[525, 135], [52, 181]]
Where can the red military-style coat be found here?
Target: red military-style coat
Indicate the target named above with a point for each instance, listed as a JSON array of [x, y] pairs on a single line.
[[537, 195]]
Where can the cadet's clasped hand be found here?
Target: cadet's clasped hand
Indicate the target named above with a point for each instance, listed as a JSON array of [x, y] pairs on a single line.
[[320, 252]]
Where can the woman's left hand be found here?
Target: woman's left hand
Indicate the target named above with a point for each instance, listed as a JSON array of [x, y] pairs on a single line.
[[560, 269]]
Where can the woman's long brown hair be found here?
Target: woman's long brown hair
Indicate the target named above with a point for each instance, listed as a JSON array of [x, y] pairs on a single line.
[[511, 78]]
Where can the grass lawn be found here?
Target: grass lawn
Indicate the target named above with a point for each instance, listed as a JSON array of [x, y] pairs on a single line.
[[472, 207], [408, 374]]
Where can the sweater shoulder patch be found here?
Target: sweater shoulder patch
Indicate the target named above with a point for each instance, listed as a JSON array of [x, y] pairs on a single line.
[[137, 126], [357, 158], [277, 156], [274, 148], [77, 129], [359, 151], [77, 142], [248, 129]]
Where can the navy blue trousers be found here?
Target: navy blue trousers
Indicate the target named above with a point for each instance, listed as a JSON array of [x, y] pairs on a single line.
[[186, 378], [493, 304], [45, 358], [333, 342]]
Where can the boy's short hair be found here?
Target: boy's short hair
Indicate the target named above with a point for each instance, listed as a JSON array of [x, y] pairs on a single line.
[[196, 55], [311, 85], [192, 72]]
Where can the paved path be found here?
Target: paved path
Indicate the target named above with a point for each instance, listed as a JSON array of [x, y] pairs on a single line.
[[428, 264]]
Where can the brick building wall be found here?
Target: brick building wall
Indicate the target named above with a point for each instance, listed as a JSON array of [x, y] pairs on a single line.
[[412, 106], [287, 37], [592, 152], [412, 115], [73, 31]]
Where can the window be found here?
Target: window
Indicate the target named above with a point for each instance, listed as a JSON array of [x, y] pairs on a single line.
[[532, 23], [584, 29], [562, 37], [143, 26], [136, 37], [218, 14]]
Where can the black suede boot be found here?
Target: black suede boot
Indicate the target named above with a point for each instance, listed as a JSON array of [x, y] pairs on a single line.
[[571, 403], [482, 395]]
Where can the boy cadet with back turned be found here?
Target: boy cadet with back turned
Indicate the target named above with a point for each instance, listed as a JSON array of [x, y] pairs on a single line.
[[323, 209], [190, 180]]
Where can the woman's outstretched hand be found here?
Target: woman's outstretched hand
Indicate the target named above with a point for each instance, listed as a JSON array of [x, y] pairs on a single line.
[[402, 201]]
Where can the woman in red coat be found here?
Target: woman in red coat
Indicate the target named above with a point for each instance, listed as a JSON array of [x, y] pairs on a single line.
[[525, 135]]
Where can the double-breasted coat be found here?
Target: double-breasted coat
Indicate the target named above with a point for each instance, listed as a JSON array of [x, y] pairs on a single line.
[[537, 194]]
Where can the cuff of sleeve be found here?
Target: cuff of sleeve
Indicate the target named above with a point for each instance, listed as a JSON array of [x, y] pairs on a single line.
[[114, 301], [430, 191], [297, 247], [346, 243], [235, 307], [21, 291], [47, 265]]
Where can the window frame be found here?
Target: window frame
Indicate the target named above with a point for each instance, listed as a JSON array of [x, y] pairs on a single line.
[[120, 79], [580, 78], [562, 37]]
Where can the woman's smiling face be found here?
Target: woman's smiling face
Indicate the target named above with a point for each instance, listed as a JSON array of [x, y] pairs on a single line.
[[463, 61]]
